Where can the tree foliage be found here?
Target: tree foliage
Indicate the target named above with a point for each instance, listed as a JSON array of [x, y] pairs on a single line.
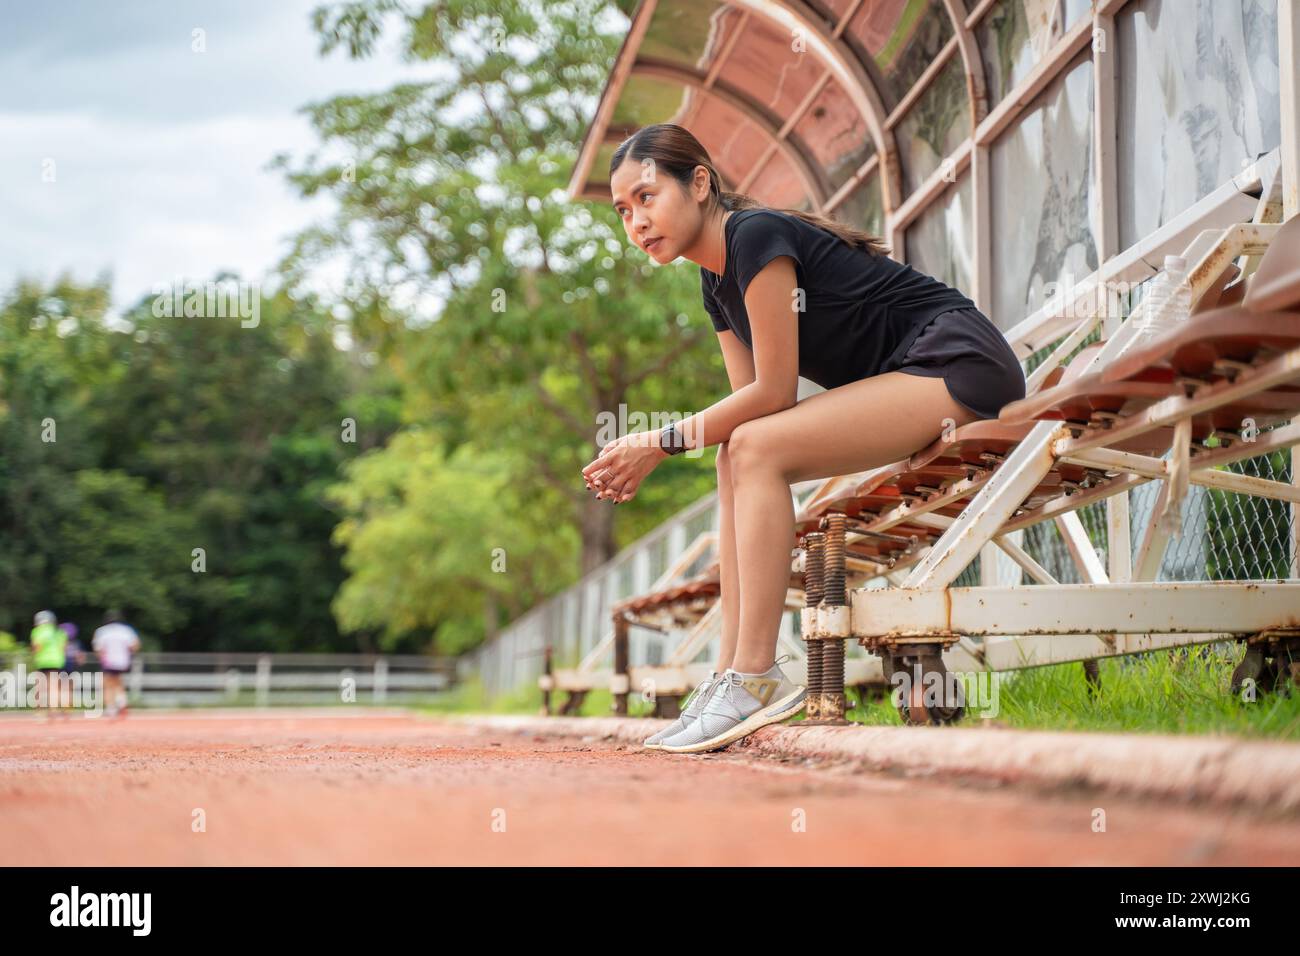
[[124, 449], [199, 473], [545, 319]]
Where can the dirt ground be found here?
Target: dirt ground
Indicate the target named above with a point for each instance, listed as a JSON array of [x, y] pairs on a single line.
[[300, 788]]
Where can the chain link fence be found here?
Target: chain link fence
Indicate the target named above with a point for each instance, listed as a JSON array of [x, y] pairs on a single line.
[[1224, 535]]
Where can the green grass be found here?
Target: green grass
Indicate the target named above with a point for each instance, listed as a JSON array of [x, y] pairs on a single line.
[[1184, 691], [470, 697]]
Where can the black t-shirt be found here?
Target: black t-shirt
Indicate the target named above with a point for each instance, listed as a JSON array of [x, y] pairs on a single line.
[[861, 311]]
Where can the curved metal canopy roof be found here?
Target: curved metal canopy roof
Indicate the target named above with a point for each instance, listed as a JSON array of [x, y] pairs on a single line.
[[796, 100]]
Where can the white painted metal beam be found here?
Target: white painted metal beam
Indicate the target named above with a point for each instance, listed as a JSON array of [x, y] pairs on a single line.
[[1230, 607]]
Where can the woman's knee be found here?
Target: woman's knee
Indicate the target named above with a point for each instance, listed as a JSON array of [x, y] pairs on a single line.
[[748, 446]]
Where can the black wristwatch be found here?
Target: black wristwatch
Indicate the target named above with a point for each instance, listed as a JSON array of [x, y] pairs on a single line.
[[670, 439]]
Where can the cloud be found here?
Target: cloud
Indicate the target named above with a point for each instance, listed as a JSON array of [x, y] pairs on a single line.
[[159, 153]]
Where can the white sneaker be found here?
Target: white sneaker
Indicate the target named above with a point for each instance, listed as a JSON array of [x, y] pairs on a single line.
[[739, 705], [688, 716]]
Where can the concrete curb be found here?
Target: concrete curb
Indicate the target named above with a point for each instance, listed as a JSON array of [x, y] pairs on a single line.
[[1264, 775]]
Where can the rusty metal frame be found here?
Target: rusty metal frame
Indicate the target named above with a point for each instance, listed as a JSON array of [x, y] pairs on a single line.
[[841, 61], [999, 497], [1048, 441], [846, 67], [1207, 609], [1089, 449], [618, 76], [837, 57], [1027, 626], [812, 178], [991, 122]]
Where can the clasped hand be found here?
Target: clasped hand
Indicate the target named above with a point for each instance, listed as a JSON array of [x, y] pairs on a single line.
[[617, 471]]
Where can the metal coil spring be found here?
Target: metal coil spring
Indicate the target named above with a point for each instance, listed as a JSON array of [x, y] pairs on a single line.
[[813, 568], [835, 595], [833, 580], [813, 583]]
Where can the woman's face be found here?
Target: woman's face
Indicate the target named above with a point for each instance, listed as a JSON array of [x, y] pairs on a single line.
[[659, 216]]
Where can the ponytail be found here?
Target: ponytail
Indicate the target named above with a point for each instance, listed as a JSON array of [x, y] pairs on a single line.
[[856, 238]]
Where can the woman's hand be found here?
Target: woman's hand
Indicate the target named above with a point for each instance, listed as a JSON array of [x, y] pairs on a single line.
[[622, 464]]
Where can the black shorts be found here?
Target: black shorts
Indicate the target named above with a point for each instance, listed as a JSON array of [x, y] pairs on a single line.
[[974, 359]]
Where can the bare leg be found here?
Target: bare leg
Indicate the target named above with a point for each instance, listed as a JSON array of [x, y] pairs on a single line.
[[112, 688], [728, 572], [861, 425]]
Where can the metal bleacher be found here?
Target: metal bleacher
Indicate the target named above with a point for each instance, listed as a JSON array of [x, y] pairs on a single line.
[[1107, 410]]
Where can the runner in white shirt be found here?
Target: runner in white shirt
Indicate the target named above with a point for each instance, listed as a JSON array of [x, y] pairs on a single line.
[[115, 642]]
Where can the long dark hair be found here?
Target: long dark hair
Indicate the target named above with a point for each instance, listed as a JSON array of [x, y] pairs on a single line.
[[677, 152]]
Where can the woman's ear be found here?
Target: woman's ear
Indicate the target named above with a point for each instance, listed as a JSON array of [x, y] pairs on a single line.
[[700, 184]]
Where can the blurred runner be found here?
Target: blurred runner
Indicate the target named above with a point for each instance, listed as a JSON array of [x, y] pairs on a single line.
[[48, 655], [74, 658], [115, 642]]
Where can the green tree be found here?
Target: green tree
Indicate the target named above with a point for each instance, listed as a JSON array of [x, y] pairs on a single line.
[[242, 429], [52, 366], [127, 444], [436, 543], [452, 189], [118, 546]]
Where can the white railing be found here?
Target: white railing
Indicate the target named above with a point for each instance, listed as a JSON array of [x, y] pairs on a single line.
[[166, 679]]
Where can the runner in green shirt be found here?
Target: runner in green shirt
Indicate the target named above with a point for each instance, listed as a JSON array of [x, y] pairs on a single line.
[[49, 647]]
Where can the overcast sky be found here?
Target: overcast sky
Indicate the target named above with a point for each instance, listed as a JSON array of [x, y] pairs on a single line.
[[158, 152]]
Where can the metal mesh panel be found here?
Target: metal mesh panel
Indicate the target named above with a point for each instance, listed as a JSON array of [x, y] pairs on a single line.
[[1247, 537], [1224, 535], [1045, 545]]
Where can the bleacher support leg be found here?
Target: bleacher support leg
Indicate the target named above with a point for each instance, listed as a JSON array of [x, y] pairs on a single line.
[[619, 682], [669, 705], [813, 577], [831, 704], [1271, 663], [549, 682]]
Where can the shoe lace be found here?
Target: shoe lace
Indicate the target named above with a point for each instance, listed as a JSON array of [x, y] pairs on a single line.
[[701, 689], [725, 683]]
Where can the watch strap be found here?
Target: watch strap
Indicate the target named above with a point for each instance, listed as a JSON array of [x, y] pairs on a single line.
[[670, 439]]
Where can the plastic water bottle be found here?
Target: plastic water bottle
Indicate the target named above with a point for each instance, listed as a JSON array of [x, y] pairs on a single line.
[[1168, 301]]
